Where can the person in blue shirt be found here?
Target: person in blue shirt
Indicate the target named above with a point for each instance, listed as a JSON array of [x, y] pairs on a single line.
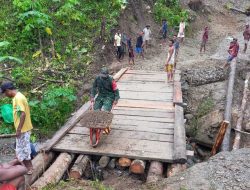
[[164, 30]]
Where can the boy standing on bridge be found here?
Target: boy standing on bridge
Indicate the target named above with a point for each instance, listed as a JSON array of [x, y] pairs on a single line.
[[233, 52], [22, 123], [170, 61]]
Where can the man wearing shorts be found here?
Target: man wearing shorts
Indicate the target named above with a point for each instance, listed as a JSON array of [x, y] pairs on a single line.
[[170, 61], [12, 176], [139, 45], [22, 123], [246, 35], [233, 52], [176, 47]]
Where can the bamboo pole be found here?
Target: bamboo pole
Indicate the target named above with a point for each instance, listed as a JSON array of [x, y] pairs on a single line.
[[228, 109], [236, 144]]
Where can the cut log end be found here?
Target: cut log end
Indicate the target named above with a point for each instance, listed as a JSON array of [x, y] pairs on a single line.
[[137, 167], [124, 162]]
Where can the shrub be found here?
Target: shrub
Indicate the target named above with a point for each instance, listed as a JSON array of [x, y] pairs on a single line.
[[51, 112]]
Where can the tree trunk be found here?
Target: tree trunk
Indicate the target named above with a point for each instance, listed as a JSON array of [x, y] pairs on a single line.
[[155, 172], [40, 44], [103, 28], [40, 164], [175, 169], [137, 167], [53, 51], [124, 162], [236, 144], [79, 166], [228, 110], [55, 171]]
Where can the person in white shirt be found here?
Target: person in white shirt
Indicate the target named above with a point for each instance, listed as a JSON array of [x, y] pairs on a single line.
[[117, 44], [146, 35], [182, 27]]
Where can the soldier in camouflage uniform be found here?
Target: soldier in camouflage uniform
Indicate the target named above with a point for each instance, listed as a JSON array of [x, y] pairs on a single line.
[[108, 93]]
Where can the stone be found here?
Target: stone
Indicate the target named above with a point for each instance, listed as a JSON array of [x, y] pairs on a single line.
[[189, 116]]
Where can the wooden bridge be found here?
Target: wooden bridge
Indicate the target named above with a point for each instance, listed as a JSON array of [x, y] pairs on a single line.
[[148, 121]]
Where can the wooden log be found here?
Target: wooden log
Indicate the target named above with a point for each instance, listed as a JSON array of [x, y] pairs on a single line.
[[177, 94], [137, 167], [55, 171], [179, 136], [40, 164], [155, 172], [124, 162], [118, 75], [220, 137], [228, 109], [104, 161], [7, 135], [79, 166], [237, 138], [175, 169]]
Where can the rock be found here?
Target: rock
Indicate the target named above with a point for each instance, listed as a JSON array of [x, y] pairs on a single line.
[[189, 116], [112, 163], [247, 128], [103, 162]]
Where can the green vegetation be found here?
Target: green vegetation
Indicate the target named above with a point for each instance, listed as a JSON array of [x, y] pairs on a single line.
[[206, 105], [171, 11], [46, 47]]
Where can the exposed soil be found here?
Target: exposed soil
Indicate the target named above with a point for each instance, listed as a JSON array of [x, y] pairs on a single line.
[[100, 119]]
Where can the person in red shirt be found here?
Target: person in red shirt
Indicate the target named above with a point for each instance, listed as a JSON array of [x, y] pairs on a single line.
[[246, 35], [233, 52], [12, 176], [204, 39]]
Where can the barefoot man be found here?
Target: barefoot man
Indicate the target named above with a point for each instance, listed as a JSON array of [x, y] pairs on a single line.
[[170, 61], [22, 123]]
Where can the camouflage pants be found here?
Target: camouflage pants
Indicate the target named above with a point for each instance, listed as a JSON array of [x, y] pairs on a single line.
[[103, 103]]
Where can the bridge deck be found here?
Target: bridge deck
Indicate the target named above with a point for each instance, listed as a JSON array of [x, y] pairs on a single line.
[[143, 124]]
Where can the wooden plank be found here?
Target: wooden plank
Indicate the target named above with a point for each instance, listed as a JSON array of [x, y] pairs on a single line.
[[128, 77], [118, 75], [144, 72], [177, 99], [148, 72], [152, 96], [144, 113], [146, 104], [141, 118], [68, 126], [146, 87], [179, 136], [118, 147], [167, 129], [140, 135]]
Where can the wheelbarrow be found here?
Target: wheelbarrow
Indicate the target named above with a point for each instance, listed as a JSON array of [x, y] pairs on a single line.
[[97, 122]]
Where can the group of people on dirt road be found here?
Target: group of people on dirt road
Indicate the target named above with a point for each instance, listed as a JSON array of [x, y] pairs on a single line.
[[123, 43]]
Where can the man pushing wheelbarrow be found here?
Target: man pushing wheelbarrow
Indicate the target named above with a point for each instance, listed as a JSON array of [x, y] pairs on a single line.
[[108, 95]]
